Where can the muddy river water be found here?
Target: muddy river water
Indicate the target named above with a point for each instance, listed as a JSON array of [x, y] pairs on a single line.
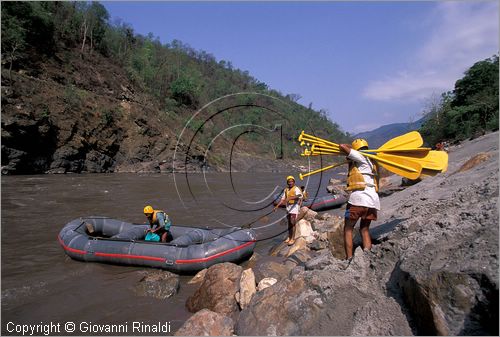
[[41, 285]]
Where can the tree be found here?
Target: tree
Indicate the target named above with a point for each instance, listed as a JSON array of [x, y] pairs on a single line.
[[94, 23], [471, 109], [13, 39]]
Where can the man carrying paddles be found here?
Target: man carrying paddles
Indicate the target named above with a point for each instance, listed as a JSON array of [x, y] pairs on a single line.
[[363, 202], [292, 196], [159, 224]]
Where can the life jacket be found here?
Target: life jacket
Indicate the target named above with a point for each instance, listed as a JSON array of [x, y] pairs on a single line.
[[355, 179], [291, 193], [154, 221]]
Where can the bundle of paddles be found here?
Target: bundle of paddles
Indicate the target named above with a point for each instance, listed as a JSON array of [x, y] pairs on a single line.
[[402, 155]]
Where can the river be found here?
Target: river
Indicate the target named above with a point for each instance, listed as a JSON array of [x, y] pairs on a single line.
[[41, 285]]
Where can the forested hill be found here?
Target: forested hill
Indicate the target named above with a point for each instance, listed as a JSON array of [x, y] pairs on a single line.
[[82, 94]]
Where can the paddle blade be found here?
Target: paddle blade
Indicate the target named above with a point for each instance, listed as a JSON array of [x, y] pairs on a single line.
[[432, 160], [411, 139], [442, 158], [401, 166]]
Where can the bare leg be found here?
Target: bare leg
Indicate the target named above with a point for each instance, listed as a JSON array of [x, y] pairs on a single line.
[[291, 228], [365, 234], [348, 228], [288, 220]]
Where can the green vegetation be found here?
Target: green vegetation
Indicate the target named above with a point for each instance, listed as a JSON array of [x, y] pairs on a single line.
[[471, 109], [179, 77]]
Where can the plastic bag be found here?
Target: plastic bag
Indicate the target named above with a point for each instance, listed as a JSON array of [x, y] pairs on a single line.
[[152, 237]]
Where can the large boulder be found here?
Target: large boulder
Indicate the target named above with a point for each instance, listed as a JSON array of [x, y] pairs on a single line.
[[247, 288], [275, 269], [207, 323], [452, 288], [300, 244], [303, 229], [307, 214], [341, 298], [218, 289], [199, 277], [158, 284], [281, 310]]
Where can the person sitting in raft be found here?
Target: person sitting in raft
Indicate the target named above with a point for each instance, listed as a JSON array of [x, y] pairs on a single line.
[[159, 224], [292, 198]]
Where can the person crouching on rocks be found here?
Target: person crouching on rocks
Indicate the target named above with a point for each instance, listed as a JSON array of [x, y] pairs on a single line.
[[292, 197], [159, 224], [362, 180]]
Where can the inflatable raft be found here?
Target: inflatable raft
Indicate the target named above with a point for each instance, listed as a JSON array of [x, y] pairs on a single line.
[[322, 203], [100, 239]]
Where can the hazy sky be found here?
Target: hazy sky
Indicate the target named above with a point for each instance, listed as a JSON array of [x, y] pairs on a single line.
[[366, 63]]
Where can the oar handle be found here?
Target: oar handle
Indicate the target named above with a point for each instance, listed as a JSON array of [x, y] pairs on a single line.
[[302, 176]]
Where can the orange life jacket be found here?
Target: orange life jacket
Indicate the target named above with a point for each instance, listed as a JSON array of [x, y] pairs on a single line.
[[154, 221], [356, 181], [291, 193]]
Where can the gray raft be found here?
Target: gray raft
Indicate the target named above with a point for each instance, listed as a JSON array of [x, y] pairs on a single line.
[[192, 249]]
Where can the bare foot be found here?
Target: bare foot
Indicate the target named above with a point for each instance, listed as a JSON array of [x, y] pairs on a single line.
[[291, 242], [287, 240]]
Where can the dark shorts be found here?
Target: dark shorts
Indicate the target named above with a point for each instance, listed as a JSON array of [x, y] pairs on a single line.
[[161, 231], [353, 212]]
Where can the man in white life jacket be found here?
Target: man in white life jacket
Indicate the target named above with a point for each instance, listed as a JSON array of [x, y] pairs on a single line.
[[363, 202], [292, 197]]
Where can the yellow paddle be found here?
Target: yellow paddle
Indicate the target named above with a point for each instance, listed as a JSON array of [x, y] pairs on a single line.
[[434, 160], [403, 166], [415, 149], [401, 155], [312, 139], [302, 176]]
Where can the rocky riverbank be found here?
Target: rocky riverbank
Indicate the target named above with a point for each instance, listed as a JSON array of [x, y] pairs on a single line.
[[433, 268]]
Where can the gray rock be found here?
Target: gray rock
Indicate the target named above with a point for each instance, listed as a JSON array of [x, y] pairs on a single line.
[[207, 323], [317, 245], [272, 269], [325, 258], [158, 284]]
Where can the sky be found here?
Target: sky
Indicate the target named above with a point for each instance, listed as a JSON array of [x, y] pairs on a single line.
[[366, 63]]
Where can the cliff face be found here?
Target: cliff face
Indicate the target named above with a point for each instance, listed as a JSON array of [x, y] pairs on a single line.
[[74, 112], [82, 115]]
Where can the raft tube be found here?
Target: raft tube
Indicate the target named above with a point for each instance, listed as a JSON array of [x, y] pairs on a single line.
[[322, 203], [118, 242]]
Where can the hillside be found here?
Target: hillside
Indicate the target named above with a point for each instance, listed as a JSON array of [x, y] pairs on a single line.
[[382, 134], [82, 95]]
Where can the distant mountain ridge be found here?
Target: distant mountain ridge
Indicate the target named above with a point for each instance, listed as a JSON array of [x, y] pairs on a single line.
[[382, 134]]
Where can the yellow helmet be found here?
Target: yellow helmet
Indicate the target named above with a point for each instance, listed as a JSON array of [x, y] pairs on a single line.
[[359, 143], [148, 210], [290, 177]]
